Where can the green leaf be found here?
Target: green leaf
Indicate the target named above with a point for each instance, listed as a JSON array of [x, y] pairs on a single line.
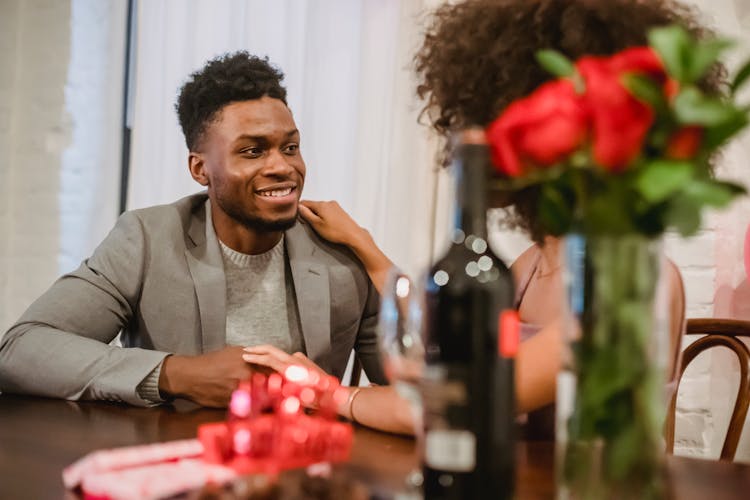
[[651, 415], [717, 135], [684, 212], [684, 215], [644, 89], [554, 210], [534, 177], [555, 62], [673, 44], [605, 376], [741, 77], [736, 189], [692, 107], [605, 215], [712, 193], [660, 179], [624, 451], [704, 55]]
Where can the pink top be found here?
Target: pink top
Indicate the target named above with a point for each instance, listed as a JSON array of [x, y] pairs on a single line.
[[528, 330], [538, 424]]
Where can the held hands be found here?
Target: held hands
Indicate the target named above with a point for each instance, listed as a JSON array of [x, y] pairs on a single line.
[[208, 379], [376, 407], [268, 356]]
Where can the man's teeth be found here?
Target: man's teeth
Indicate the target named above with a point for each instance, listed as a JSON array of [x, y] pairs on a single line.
[[276, 192]]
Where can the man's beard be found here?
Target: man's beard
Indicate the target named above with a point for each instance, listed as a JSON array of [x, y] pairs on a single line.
[[267, 226], [258, 223]]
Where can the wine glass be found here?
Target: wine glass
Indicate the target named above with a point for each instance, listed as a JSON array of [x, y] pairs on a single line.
[[402, 345]]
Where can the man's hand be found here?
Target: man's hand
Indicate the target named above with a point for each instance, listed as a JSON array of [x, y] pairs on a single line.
[[208, 379]]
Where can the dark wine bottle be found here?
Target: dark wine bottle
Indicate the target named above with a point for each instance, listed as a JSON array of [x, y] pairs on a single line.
[[468, 385]]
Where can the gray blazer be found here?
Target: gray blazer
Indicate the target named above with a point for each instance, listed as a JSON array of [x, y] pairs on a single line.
[[158, 278]]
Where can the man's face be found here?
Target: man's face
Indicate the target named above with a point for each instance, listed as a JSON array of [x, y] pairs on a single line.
[[250, 160]]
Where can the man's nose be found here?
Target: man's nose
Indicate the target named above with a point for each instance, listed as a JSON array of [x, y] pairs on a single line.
[[277, 164]]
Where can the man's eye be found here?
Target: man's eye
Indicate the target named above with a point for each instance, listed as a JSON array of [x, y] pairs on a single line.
[[291, 149], [252, 152]]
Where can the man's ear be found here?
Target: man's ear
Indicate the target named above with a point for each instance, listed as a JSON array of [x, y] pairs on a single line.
[[197, 168]]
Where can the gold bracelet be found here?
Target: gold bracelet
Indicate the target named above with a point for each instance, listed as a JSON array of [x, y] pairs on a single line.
[[350, 403]]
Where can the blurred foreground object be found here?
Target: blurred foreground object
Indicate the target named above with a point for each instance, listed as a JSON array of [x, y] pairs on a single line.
[[618, 150], [266, 432]]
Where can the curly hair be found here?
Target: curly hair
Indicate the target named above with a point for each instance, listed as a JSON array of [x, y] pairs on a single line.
[[479, 55], [229, 78]]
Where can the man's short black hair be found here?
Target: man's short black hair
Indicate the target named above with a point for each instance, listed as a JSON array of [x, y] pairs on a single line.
[[229, 78]]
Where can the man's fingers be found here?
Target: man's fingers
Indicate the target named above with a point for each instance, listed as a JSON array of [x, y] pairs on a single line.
[[265, 370]]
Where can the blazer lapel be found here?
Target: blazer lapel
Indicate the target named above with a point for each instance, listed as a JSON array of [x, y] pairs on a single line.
[[311, 287], [207, 270]]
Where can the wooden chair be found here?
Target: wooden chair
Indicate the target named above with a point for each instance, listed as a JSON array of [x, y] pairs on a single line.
[[718, 332]]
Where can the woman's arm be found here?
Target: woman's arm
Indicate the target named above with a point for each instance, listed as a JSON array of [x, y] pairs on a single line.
[[540, 358], [381, 408], [332, 223], [537, 363]]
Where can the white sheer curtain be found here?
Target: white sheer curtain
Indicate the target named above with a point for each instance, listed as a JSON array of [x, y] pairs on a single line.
[[348, 74]]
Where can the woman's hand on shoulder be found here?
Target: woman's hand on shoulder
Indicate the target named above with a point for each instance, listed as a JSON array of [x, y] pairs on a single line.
[[331, 221]]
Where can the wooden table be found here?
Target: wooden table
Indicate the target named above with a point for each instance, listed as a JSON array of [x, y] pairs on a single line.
[[38, 437]]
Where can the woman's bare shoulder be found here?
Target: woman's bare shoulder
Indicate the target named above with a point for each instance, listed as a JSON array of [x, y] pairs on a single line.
[[523, 262]]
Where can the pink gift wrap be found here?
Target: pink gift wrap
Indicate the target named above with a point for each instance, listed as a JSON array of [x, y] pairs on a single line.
[[144, 472]]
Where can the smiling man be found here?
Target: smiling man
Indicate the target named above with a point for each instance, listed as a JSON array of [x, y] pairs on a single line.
[[189, 285]]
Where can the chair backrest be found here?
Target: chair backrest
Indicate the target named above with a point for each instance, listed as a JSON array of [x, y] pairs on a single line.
[[718, 332]]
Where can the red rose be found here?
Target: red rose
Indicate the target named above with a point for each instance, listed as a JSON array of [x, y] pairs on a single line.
[[684, 144], [671, 89], [539, 130], [639, 60], [620, 121]]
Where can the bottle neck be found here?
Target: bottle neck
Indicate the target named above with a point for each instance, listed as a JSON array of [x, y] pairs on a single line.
[[470, 166]]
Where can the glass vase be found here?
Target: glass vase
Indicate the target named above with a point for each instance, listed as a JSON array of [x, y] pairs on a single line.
[[611, 390]]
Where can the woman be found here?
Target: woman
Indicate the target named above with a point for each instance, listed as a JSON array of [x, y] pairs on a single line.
[[477, 57]]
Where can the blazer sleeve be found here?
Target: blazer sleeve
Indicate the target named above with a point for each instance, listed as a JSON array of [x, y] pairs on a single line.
[[366, 345], [60, 346]]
